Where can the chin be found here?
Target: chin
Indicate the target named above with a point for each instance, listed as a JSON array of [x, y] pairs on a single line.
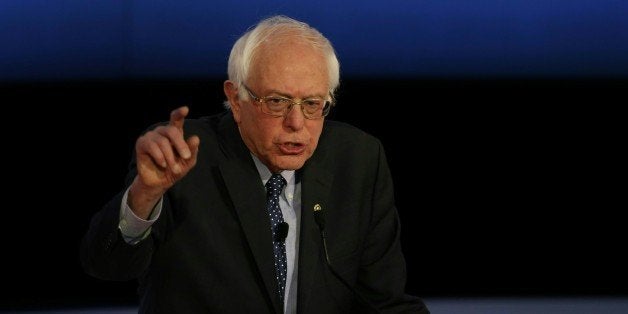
[[291, 163]]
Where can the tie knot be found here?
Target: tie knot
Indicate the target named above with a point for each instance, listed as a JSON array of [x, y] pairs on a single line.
[[275, 184]]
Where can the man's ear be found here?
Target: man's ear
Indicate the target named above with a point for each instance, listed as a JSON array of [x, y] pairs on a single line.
[[231, 92]]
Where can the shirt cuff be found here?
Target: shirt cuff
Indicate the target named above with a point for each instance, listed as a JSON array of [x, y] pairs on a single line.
[[135, 229]]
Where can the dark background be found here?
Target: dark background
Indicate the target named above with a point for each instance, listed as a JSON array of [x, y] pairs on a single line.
[[502, 121]]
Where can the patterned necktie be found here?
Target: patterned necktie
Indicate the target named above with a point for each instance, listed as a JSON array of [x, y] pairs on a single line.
[[274, 187]]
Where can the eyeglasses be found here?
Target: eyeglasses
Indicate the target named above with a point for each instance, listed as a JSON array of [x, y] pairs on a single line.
[[278, 106]]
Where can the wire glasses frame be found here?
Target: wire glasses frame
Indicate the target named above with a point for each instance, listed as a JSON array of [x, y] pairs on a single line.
[[279, 106]]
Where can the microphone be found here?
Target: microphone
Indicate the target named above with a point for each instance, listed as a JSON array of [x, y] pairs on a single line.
[[282, 231], [319, 217]]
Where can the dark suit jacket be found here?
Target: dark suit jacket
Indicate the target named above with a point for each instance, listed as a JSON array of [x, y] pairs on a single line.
[[210, 251]]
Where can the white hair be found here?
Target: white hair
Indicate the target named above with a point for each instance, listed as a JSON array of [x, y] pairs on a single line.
[[274, 27]]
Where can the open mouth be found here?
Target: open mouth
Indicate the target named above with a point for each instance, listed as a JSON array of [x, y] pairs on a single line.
[[292, 148]]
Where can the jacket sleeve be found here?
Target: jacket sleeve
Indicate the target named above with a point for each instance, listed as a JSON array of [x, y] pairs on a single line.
[[105, 254]]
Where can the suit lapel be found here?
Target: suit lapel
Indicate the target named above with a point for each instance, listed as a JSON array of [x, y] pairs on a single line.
[[315, 188], [249, 199]]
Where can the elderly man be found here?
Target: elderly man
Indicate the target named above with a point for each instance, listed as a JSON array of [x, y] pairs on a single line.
[[266, 208]]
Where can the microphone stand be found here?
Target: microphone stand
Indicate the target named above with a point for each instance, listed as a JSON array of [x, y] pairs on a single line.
[[320, 221]]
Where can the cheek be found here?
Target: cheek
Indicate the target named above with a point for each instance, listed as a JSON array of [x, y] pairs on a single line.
[[316, 128], [263, 132], [315, 131]]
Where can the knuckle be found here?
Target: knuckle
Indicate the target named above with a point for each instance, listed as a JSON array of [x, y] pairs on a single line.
[[173, 132], [162, 142]]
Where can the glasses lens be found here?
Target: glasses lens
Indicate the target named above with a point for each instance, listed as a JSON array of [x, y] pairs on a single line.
[[316, 108], [276, 105], [312, 107]]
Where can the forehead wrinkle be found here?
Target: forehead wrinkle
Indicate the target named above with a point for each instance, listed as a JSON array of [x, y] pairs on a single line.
[[284, 55]]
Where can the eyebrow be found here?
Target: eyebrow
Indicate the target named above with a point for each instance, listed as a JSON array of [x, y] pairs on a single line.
[[278, 93]]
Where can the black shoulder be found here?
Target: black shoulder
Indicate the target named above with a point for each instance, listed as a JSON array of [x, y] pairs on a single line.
[[207, 125], [340, 133]]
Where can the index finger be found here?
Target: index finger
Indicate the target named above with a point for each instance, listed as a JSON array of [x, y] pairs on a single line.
[[177, 117]]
